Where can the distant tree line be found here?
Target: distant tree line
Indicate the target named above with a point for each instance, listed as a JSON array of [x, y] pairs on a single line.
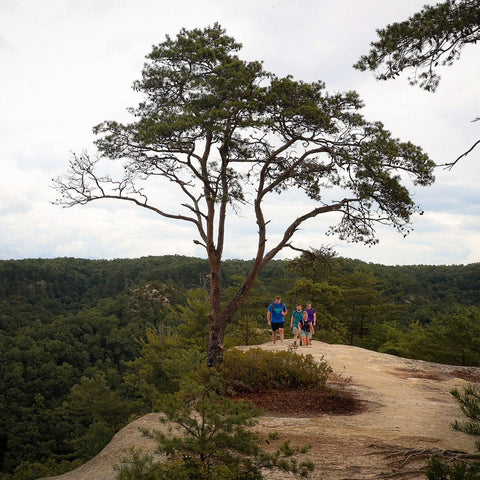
[[85, 345]]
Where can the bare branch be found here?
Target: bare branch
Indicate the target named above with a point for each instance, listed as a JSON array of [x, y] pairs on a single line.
[[450, 165]]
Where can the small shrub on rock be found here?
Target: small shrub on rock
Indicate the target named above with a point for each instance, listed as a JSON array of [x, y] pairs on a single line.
[[255, 370], [211, 437]]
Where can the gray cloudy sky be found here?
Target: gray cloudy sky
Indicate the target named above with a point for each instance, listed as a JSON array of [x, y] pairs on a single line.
[[67, 65]]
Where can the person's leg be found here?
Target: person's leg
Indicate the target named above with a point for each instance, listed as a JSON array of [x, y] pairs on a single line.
[[282, 334], [274, 334]]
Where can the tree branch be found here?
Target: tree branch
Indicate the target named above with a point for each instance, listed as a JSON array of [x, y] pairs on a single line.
[[450, 165]]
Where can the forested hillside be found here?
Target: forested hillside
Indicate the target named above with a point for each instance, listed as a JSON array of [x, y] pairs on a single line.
[[86, 343]]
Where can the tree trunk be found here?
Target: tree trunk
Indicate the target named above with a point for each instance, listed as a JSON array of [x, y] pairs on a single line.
[[218, 318], [221, 318], [218, 325]]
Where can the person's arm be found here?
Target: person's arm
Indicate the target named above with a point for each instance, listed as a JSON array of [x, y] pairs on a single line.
[[315, 318], [291, 322], [269, 316], [284, 310]]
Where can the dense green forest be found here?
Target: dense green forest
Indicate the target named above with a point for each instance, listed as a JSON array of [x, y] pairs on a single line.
[[86, 343]]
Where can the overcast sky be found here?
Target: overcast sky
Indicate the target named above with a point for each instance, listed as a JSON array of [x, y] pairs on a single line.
[[67, 65]]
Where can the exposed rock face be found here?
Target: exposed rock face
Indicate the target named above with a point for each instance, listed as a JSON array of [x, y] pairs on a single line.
[[407, 405]]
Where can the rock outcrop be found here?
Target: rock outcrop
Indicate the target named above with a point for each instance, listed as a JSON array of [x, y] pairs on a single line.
[[408, 411]]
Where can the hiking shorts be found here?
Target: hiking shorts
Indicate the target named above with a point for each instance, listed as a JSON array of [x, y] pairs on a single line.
[[306, 334], [276, 326], [295, 331]]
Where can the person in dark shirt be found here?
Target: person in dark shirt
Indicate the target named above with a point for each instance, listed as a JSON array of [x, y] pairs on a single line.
[[307, 330]]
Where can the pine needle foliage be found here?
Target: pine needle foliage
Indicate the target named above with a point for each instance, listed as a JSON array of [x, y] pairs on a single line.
[[208, 436], [469, 400]]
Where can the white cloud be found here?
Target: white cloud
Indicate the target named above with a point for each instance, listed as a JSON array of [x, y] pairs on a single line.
[[71, 65]]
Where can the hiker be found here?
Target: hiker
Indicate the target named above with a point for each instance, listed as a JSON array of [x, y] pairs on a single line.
[[276, 318], [297, 316], [307, 330], [312, 314]]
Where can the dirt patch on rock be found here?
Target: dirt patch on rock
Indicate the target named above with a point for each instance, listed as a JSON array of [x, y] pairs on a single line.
[[411, 373], [305, 403], [468, 374]]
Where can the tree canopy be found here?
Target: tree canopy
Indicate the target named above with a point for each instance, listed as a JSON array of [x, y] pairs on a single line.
[[428, 39], [431, 38], [226, 135]]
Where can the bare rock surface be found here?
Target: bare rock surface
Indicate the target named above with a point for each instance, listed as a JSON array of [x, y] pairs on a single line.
[[406, 414]]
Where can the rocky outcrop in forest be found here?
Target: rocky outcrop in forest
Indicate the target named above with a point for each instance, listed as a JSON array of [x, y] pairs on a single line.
[[404, 415]]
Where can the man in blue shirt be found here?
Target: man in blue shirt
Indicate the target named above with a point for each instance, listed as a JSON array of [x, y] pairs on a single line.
[[276, 318]]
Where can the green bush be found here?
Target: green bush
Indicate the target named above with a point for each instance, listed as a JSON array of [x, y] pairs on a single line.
[[438, 470], [469, 401], [207, 436], [255, 369]]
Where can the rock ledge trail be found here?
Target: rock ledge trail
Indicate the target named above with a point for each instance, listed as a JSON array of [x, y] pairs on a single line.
[[407, 410]]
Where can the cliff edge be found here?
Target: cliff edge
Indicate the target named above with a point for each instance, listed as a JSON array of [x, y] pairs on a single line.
[[406, 415]]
